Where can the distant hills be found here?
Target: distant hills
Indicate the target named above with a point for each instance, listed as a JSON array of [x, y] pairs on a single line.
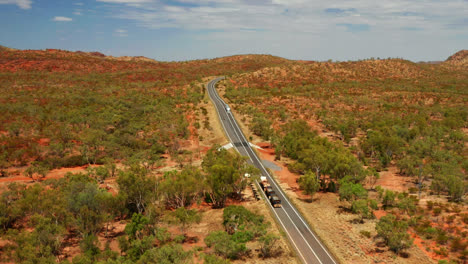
[[459, 58], [3, 48]]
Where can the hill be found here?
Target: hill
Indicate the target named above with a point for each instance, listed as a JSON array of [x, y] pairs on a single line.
[[3, 48], [127, 126], [406, 122], [54, 83], [82, 131], [459, 58]]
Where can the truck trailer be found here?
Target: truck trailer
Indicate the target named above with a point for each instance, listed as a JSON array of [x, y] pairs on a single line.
[[270, 194]]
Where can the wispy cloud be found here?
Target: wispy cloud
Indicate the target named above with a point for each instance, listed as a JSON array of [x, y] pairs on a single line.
[[339, 10], [62, 19], [355, 27], [78, 12], [125, 1], [121, 32], [299, 16], [23, 4]]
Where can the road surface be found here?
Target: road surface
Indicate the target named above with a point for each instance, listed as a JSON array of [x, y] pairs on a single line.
[[308, 246]]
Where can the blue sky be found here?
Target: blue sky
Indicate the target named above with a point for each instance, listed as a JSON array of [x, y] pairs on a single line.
[[194, 29]]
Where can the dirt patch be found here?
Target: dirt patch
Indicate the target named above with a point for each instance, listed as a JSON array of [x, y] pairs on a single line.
[[334, 225], [390, 179], [18, 175], [284, 175]]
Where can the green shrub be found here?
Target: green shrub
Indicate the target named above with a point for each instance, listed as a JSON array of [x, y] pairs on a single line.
[[269, 246], [213, 259], [224, 245], [430, 205], [394, 233], [179, 239], [442, 237], [365, 233], [457, 244], [388, 199], [242, 236], [351, 191], [238, 218], [436, 211], [430, 232]]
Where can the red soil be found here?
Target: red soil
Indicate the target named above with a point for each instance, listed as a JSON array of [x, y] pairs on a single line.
[[391, 180], [284, 175], [424, 245], [53, 174], [44, 141], [379, 213]]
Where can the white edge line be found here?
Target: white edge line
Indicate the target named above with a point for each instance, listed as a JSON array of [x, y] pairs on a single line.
[[284, 227], [263, 194], [294, 224], [280, 189], [219, 115], [294, 209]]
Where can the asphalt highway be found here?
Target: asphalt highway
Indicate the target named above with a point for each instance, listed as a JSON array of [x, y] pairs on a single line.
[[306, 243]]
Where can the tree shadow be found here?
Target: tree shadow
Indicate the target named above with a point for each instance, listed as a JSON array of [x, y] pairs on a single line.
[[356, 221], [308, 200], [404, 254], [343, 209]]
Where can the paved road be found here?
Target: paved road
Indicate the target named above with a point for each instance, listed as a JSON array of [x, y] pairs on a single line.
[[306, 243]]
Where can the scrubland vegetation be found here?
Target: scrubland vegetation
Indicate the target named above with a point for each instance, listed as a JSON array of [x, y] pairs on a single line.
[[121, 119], [337, 125], [340, 124], [39, 220], [67, 109]]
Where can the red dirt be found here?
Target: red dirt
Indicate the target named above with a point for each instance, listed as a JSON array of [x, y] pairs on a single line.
[[19, 175], [284, 175], [423, 245], [44, 141], [391, 180], [379, 213]]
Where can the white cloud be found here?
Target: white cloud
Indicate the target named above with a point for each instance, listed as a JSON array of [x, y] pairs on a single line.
[[78, 4], [23, 4], [121, 32], [62, 19], [125, 1], [77, 12], [294, 27]]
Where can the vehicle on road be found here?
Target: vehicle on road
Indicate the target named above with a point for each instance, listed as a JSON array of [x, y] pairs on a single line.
[[275, 201], [263, 182], [269, 191], [308, 246]]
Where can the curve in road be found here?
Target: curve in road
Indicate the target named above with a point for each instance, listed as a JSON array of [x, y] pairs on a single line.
[[306, 243]]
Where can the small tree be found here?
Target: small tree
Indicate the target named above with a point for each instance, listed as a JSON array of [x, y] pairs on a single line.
[[225, 246], [372, 177], [456, 187], [388, 199], [407, 204], [394, 233], [37, 168], [135, 229], [137, 187], [186, 217], [309, 183], [351, 191], [269, 246], [364, 208], [171, 253]]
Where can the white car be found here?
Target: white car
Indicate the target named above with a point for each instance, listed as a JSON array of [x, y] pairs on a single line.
[[228, 108]]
